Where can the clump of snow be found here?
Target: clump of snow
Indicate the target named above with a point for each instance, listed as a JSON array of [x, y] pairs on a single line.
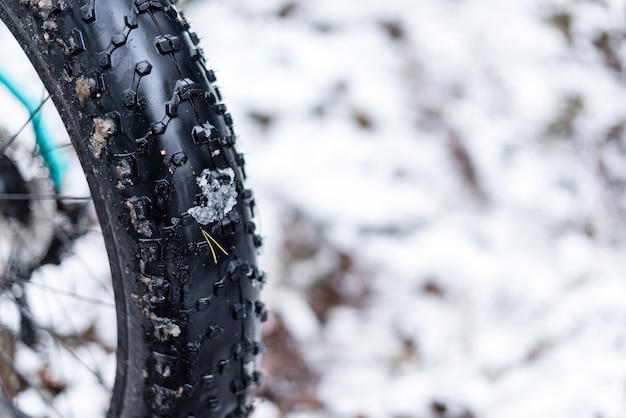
[[218, 186]]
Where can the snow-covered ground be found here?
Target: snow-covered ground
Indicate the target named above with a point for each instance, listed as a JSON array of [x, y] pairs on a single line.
[[441, 187], [442, 192]]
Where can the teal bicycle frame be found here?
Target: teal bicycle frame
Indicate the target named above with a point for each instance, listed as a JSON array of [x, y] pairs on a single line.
[[56, 162]]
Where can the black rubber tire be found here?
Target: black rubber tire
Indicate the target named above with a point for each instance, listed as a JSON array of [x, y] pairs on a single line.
[[148, 126]]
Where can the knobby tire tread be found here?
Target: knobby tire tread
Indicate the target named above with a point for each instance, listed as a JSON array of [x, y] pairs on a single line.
[[147, 123]]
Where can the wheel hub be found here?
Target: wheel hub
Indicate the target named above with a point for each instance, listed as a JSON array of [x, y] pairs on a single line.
[[26, 220]]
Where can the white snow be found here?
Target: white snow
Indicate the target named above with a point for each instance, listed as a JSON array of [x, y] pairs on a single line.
[[218, 186]]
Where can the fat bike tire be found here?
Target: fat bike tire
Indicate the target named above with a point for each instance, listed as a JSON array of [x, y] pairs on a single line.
[[156, 144]]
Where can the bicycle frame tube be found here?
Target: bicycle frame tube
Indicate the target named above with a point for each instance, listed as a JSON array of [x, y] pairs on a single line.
[[55, 161]]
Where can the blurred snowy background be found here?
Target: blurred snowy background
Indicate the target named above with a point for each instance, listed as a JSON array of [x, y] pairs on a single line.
[[442, 188]]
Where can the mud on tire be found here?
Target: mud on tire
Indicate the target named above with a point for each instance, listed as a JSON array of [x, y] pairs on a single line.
[[157, 147]]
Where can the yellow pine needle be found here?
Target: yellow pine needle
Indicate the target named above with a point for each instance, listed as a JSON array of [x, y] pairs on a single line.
[[210, 240]]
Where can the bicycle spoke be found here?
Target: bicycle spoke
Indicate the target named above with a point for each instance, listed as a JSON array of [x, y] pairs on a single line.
[[57, 197], [62, 292], [66, 240], [79, 230], [55, 148], [59, 341], [48, 400], [4, 147], [70, 345], [68, 320]]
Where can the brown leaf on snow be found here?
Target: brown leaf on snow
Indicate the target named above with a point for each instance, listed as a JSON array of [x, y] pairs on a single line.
[[289, 382]]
